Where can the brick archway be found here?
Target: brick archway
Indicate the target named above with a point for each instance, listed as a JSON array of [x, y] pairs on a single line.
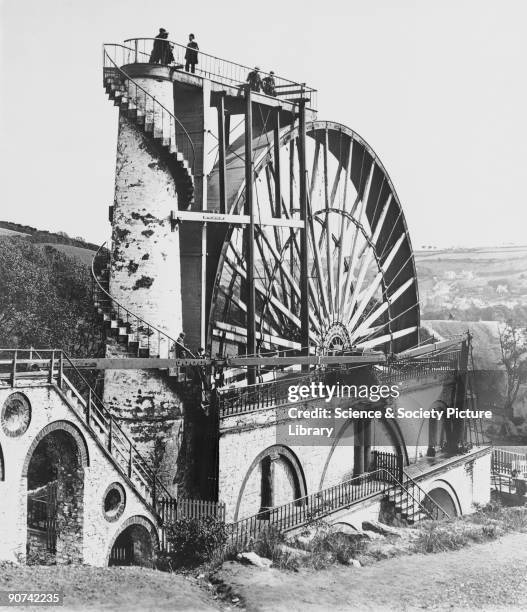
[[139, 521], [82, 447], [277, 450]]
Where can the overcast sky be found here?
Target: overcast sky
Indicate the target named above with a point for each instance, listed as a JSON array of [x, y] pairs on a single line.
[[437, 87]]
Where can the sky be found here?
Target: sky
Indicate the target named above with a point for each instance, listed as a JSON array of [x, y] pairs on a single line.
[[436, 87]]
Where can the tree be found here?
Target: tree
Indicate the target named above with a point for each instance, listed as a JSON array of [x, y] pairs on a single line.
[[513, 346]]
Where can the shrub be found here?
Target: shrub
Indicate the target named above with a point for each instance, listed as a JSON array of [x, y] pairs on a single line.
[[194, 541]]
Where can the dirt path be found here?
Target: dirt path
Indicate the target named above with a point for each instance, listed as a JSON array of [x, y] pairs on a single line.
[[124, 589], [491, 576]]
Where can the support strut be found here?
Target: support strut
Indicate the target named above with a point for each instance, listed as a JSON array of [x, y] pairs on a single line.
[[249, 235], [304, 247]]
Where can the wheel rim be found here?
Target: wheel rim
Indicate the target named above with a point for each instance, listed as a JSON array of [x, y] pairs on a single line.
[[362, 286]]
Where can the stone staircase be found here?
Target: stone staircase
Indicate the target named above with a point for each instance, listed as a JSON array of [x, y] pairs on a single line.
[[120, 449], [132, 334], [410, 503], [163, 129]]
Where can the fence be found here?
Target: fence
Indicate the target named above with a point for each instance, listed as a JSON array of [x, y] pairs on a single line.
[[390, 462], [138, 50], [406, 369], [170, 510], [261, 395], [506, 462], [275, 393], [308, 508]]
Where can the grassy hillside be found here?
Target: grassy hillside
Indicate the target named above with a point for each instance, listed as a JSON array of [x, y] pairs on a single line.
[[45, 301]]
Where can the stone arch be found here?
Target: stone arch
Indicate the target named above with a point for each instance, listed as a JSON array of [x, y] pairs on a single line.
[[2, 465], [444, 494], [143, 525], [54, 472], [270, 453], [82, 447], [394, 434]]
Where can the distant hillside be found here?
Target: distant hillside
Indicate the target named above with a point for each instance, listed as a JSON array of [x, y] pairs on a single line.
[[473, 284], [43, 236]]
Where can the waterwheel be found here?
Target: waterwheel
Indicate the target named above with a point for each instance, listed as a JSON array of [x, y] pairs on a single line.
[[362, 281]]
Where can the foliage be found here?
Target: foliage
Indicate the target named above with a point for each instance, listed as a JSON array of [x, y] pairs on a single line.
[[195, 541], [37, 236], [513, 346], [45, 300]]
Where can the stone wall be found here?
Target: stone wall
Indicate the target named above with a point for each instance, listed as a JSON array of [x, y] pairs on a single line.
[[50, 411], [243, 437]]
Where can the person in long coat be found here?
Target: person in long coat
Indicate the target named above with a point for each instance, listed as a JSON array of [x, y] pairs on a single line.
[[268, 85], [191, 54], [254, 79], [161, 51]]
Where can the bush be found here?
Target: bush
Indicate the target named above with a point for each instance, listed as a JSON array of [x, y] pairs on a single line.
[[194, 541]]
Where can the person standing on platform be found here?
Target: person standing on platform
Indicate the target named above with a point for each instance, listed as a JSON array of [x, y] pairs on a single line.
[[268, 85], [254, 79], [162, 50], [191, 54]]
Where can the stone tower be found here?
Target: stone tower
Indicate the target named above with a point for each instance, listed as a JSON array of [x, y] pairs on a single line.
[[144, 272]]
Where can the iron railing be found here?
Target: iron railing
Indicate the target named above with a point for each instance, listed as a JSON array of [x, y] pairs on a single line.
[[409, 493], [315, 506], [166, 125], [16, 364], [42, 513], [261, 395], [508, 463], [405, 369], [275, 393], [138, 50], [147, 336]]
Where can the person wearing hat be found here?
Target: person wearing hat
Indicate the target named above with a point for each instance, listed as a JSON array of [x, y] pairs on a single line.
[[162, 49], [254, 79], [268, 85], [191, 54]]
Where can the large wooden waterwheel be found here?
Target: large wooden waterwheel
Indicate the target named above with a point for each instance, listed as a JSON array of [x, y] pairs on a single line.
[[362, 281]]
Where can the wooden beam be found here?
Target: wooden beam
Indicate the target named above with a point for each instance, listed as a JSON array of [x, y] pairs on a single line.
[[276, 163], [304, 242], [210, 217], [221, 151], [250, 300]]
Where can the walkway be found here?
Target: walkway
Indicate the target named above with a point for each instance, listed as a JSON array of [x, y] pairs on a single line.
[[488, 576]]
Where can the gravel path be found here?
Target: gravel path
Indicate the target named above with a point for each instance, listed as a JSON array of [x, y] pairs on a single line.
[[491, 576]]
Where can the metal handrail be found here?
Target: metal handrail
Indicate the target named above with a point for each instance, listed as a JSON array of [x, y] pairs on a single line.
[[129, 312], [154, 100], [156, 485], [427, 497], [231, 73], [389, 483]]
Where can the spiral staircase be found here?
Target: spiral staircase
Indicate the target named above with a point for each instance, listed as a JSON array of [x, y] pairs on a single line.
[[162, 128]]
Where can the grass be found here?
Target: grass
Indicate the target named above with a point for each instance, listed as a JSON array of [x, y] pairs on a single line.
[[326, 547]]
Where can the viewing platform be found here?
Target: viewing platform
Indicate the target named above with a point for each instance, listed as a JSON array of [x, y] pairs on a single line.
[[227, 78]]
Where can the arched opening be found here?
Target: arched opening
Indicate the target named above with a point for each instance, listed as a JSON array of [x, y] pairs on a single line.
[[55, 490], [443, 498], [275, 477], [135, 545]]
